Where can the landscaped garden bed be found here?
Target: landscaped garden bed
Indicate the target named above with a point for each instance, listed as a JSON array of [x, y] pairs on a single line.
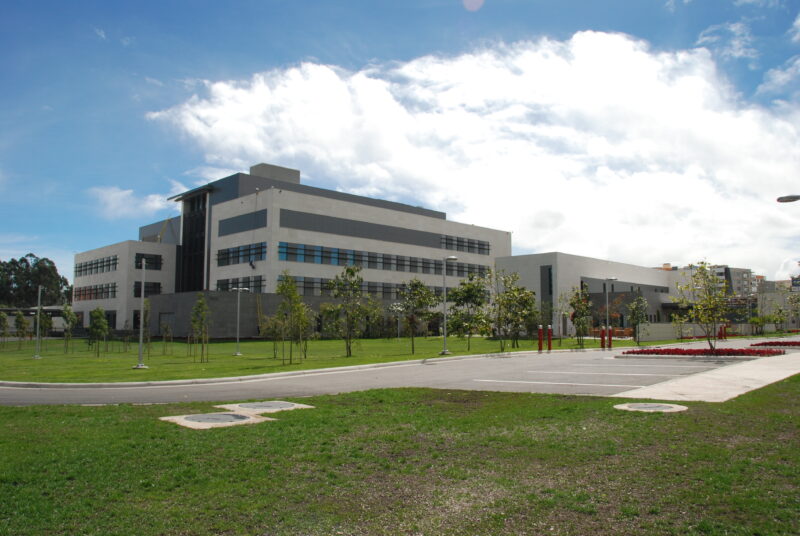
[[777, 343], [705, 352]]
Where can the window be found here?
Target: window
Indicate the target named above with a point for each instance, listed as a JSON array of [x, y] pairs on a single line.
[[96, 292], [150, 289], [152, 261], [97, 266], [242, 254]]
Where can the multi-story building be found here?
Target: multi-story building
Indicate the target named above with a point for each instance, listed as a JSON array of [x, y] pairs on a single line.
[[245, 230]]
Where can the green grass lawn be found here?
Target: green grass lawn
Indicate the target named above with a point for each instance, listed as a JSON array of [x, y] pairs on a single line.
[[115, 365], [174, 361], [408, 461]]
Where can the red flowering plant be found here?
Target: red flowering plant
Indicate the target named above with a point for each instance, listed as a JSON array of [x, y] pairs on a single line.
[[777, 343]]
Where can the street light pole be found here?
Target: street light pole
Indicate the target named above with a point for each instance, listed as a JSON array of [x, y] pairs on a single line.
[[238, 297], [607, 281], [141, 364], [38, 323], [444, 303]]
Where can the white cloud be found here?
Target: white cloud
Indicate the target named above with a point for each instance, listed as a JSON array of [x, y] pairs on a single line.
[[154, 81], [779, 79], [115, 203], [730, 40], [758, 3], [127, 41], [672, 4], [100, 33], [595, 145]]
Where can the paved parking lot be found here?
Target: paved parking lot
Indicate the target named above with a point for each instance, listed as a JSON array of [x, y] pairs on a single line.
[[586, 373]]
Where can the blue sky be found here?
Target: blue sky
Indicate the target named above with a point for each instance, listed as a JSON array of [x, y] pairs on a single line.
[[637, 131]]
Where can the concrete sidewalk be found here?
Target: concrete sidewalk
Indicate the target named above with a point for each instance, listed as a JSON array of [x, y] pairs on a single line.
[[723, 383]]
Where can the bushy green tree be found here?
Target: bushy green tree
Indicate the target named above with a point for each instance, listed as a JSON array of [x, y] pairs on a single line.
[[415, 302], [704, 298], [467, 316], [20, 280], [581, 307], [353, 305], [514, 309], [637, 313], [98, 328]]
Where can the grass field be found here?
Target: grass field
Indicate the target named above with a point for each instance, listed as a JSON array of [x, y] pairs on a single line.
[[408, 461], [115, 365]]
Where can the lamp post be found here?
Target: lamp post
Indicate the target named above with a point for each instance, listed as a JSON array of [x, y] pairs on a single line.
[[38, 323], [607, 281], [238, 297], [141, 364], [444, 303]]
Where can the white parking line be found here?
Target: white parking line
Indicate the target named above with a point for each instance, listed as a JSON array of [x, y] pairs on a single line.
[[602, 373], [561, 383], [626, 365]]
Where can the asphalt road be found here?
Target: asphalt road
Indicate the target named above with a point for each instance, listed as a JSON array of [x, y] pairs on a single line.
[[586, 373]]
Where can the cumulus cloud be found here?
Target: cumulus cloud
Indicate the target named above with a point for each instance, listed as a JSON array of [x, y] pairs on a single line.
[[116, 203], [596, 145]]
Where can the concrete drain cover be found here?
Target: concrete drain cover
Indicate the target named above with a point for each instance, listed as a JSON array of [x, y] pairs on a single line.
[[266, 406], [216, 417], [204, 421], [275, 404], [651, 407]]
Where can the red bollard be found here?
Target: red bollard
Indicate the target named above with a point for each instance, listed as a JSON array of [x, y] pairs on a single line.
[[541, 337], [610, 336], [549, 339], [603, 338]]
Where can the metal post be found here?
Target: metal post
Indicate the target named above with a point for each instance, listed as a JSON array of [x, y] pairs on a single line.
[[608, 324], [444, 303], [141, 364], [38, 323]]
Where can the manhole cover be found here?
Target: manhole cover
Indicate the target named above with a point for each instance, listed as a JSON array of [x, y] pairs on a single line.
[[217, 417], [651, 407], [267, 405]]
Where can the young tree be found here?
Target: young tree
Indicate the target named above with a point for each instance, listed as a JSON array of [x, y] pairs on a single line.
[[793, 305], [293, 311], [467, 315], [581, 312], [98, 328], [352, 307], [3, 328], [515, 309], [705, 299], [45, 326], [416, 301], [70, 319], [21, 327], [637, 313], [199, 323]]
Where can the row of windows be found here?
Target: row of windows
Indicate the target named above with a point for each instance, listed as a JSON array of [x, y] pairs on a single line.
[[469, 245], [95, 292], [242, 254], [377, 261], [150, 289], [253, 284], [318, 286], [151, 261], [97, 266]]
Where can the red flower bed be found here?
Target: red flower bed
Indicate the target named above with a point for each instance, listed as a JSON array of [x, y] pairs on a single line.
[[777, 343], [706, 352]]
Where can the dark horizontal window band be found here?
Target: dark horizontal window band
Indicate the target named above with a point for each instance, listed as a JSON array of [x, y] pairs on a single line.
[[243, 222], [305, 221]]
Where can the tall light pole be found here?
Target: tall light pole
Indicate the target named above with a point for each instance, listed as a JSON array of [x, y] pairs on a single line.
[[444, 290], [607, 281], [141, 364], [239, 291], [38, 323]]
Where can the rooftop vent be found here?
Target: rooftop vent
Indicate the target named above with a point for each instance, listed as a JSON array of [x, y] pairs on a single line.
[[278, 173]]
